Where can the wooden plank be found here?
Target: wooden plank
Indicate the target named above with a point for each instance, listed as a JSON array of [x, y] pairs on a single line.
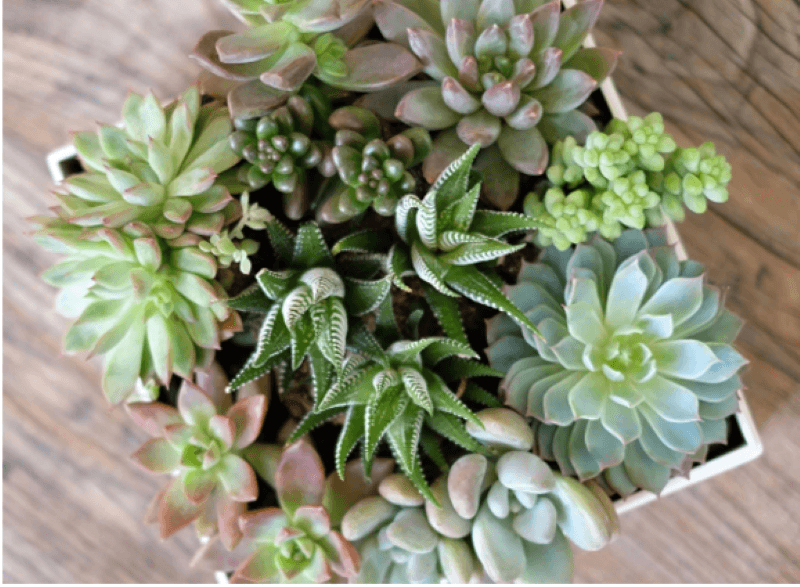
[[720, 70]]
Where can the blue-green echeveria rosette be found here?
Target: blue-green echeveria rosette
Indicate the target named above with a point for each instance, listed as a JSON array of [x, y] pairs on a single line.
[[634, 373], [159, 168], [151, 309], [508, 75], [201, 443]]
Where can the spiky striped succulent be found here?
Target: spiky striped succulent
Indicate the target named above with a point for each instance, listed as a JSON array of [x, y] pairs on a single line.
[[305, 306], [151, 309], [159, 169], [447, 237], [200, 444], [373, 172], [287, 42], [296, 542], [279, 150], [402, 538], [634, 373], [509, 75], [392, 393]]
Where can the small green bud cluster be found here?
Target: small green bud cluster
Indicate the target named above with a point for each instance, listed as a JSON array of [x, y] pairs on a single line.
[[330, 52], [227, 251], [625, 175]]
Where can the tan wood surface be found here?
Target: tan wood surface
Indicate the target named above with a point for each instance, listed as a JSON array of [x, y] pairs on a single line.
[[724, 70]]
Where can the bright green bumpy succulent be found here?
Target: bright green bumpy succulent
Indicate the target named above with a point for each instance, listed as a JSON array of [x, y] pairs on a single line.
[[159, 169], [151, 309], [634, 373], [278, 150], [393, 393], [510, 75], [373, 172], [624, 177]]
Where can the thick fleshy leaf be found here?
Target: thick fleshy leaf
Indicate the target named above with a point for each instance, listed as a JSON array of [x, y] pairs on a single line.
[[524, 471], [499, 548], [426, 107], [525, 150], [582, 517], [300, 477], [295, 65], [626, 293], [152, 417], [194, 405], [247, 416], [502, 428], [411, 531], [367, 516], [687, 359], [574, 25], [238, 478], [175, 510], [157, 456], [567, 90], [374, 67], [456, 560], [548, 563]]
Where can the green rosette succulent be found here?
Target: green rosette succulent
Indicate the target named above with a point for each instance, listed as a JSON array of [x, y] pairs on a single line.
[[447, 237], [306, 306], [151, 309], [394, 393], [201, 443], [509, 75], [633, 373], [296, 542], [279, 150], [373, 172], [287, 42], [160, 169], [400, 542]]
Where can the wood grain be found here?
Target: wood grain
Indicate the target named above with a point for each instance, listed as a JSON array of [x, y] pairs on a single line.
[[721, 70]]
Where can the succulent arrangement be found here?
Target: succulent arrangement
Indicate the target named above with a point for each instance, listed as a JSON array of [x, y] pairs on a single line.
[[401, 225]]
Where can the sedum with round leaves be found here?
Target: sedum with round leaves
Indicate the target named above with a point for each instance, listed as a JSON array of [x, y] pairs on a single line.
[[152, 309], [633, 374], [200, 443], [160, 169]]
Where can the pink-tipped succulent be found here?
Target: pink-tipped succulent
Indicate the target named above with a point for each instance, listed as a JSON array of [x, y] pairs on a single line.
[[509, 75], [200, 443], [296, 542], [289, 41]]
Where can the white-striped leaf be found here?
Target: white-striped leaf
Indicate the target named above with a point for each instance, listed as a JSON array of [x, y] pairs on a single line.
[[417, 388]]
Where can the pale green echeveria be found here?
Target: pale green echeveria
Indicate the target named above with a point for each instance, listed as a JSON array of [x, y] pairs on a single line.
[[448, 236], [395, 393], [287, 42], [404, 538], [152, 309], [160, 169], [523, 515], [633, 373], [200, 443], [296, 542], [509, 76]]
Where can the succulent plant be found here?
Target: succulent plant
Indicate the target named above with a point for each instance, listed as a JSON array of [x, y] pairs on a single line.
[[625, 176], [393, 393], [200, 444], [521, 512], [508, 74], [447, 237], [287, 42], [633, 373], [306, 305], [279, 150], [373, 172], [153, 309], [397, 542], [158, 169], [296, 543]]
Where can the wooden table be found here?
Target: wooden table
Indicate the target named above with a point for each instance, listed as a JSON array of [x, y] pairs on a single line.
[[721, 70]]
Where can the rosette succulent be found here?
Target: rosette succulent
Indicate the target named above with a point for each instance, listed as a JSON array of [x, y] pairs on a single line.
[[279, 150], [151, 309], [159, 169], [509, 76], [289, 41], [633, 373], [305, 306], [401, 542], [523, 515], [447, 237], [200, 444], [296, 542], [373, 172], [393, 393]]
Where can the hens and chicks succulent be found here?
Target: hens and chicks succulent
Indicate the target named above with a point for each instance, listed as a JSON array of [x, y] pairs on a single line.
[[372, 224]]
